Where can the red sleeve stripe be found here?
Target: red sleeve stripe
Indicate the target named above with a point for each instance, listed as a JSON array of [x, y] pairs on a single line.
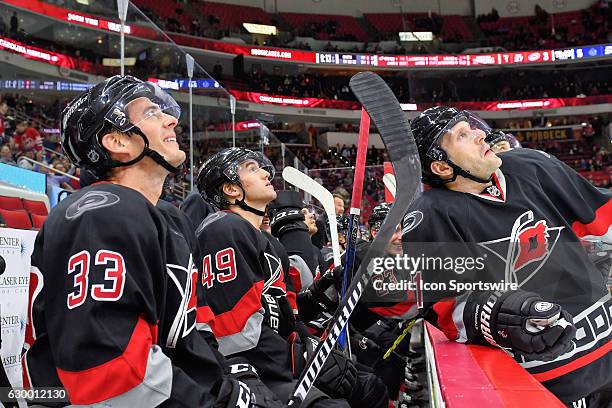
[[296, 279], [576, 364], [600, 225], [444, 311], [116, 376], [234, 320], [397, 310], [205, 315], [291, 298]]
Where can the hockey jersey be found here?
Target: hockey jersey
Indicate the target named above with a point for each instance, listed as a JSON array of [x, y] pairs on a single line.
[[528, 229], [113, 305], [240, 267]]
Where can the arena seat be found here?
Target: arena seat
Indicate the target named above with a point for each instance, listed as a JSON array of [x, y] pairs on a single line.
[[344, 24], [38, 220], [231, 15], [35, 207], [10, 203], [16, 219]]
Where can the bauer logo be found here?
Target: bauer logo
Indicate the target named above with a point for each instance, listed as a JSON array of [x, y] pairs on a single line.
[[543, 306]]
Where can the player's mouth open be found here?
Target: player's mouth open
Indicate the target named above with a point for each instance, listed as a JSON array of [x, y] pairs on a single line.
[[170, 139]]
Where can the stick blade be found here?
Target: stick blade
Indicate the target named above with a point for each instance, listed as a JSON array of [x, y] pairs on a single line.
[[384, 109]]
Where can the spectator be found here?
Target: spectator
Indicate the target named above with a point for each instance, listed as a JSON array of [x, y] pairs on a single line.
[[6, 156], [14, 24], [26, 138]]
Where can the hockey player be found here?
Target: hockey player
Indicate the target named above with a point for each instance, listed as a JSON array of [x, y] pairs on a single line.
[[498, 141], [293, 224], [528, 212], [321, 237], [113, 283], [244, 280]]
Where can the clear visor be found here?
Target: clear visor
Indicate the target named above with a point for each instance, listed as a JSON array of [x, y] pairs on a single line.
[[474, 124], [146, 102], [253, 164]]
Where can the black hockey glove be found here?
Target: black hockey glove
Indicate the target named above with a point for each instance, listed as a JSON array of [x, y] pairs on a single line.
[[285, 213], [338, 375], [521, 322], [287, 219], [241, 388], [330, 277]]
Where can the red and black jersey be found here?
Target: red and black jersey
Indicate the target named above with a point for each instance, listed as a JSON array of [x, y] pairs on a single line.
[[528, 228], [239, 267], [113, 305]]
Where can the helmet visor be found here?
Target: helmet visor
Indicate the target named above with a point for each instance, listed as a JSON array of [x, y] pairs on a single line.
[[145, 102], [252, 163], [474, 122]]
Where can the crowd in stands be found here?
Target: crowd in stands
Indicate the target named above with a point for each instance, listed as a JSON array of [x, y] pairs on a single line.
[[544, 30], [466, 86], [541, 30]]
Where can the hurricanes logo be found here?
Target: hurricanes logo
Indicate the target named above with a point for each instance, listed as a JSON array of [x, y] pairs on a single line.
[[533, 245], [91, 201], [527, 249]]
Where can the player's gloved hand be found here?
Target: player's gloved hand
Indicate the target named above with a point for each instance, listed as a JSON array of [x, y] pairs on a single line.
[[523, 322], [338, 375], [285, 213], [332, 276], [241, 387]]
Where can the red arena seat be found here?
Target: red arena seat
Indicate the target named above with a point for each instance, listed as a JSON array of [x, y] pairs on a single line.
[[16, 219], [35, 207], [10, 203]]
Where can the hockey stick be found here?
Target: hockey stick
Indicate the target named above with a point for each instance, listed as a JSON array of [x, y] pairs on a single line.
[[355, 212], [389, 181], [308, 185], [383, 107]]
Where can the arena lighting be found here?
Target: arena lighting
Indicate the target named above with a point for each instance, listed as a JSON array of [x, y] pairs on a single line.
[[408, 106], [260, 29], [416, 36], [116, 62]]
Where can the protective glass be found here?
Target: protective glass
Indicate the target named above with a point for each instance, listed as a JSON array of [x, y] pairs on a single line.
[[475, 123], [146, 101]]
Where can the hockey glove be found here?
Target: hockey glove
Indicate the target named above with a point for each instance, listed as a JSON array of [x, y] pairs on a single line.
[[285, 213], [330, 277], [287, 219], [522, 322], [242, 388], [338, 375]]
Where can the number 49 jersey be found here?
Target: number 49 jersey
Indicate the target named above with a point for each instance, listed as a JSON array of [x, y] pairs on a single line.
[[113, 305], [242, 275]]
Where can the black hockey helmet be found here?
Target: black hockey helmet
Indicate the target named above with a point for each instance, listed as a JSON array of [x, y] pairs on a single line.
[[378, 215], [104, 108], [223, 168], [342, 222], [429, 127], [496, 136]]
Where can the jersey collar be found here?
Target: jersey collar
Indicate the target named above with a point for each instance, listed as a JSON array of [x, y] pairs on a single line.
[[497, 191]]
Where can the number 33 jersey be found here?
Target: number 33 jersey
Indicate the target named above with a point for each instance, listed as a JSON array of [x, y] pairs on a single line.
[[113, 305]]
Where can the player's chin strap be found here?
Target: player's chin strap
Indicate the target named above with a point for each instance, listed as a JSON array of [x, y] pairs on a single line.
[[242, 204], [147, 151], [458, 171]]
